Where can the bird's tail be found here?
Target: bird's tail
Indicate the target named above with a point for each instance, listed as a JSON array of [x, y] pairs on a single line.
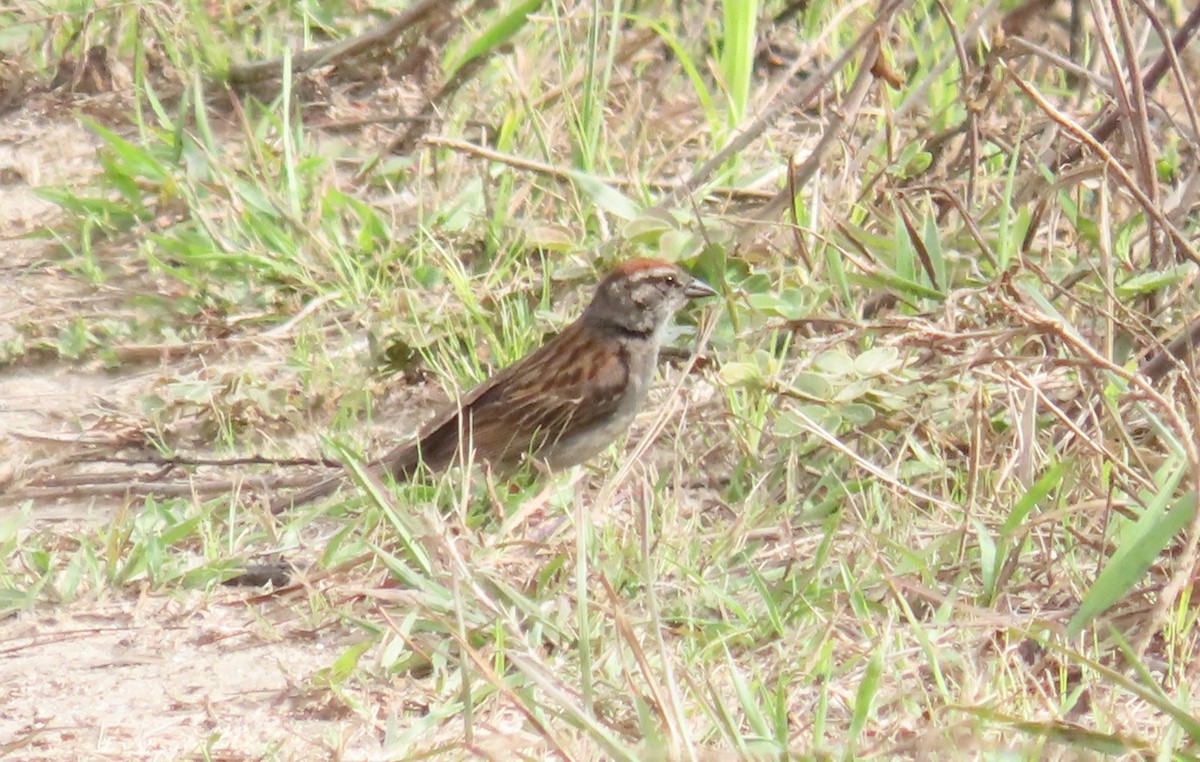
[[295, 499], [401, 462]]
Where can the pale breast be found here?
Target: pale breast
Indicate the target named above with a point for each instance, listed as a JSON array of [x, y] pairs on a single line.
[[578, 446]]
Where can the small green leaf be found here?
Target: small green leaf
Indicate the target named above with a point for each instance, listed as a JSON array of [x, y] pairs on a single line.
[[857, 413], [346, 662], [649, 226], [1152, 532], [917, 164], [834, 362], [853, 390], [988, 566], [813, 385], [1034, 495], [741, 374], [866, 693], [676, 245], [1149, 282], [605, 196], [550, 237], [788, 304], [793, 423], [876, 361], [494, 36]]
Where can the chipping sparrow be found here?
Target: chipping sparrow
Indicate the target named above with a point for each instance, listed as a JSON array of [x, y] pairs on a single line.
[[566, 401]]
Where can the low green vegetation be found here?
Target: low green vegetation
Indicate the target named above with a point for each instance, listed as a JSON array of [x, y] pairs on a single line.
[[922, 493]]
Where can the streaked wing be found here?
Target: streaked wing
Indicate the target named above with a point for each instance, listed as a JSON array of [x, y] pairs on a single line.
[[573, 382]]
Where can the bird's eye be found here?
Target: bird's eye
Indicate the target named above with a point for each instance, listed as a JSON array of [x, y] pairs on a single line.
[[670, 280]]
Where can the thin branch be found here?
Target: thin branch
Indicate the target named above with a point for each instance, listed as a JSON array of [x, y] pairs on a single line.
[[1108, 124], [803, 172], [796, 99], [1092, 141], [378, 37], [567, 175]]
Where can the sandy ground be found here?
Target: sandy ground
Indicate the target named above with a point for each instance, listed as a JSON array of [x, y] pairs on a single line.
[[154, 677], [129, 674]]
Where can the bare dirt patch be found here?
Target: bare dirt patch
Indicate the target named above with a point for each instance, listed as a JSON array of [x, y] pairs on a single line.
[[146, 676], [158, 677]]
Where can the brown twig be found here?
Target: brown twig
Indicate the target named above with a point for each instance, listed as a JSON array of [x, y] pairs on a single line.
[[964, 213], [794, 99], [107, 486], [972, 126], [917, 96], [1181, 81], [174, 461], [803, 172], [425, 118], [1132, 100], [567, 175], [1131, 186], [1180, 350], [1069, 67], [1108, 124], [379, 36]]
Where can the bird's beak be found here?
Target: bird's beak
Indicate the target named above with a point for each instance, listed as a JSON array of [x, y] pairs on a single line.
[[697, 289]]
